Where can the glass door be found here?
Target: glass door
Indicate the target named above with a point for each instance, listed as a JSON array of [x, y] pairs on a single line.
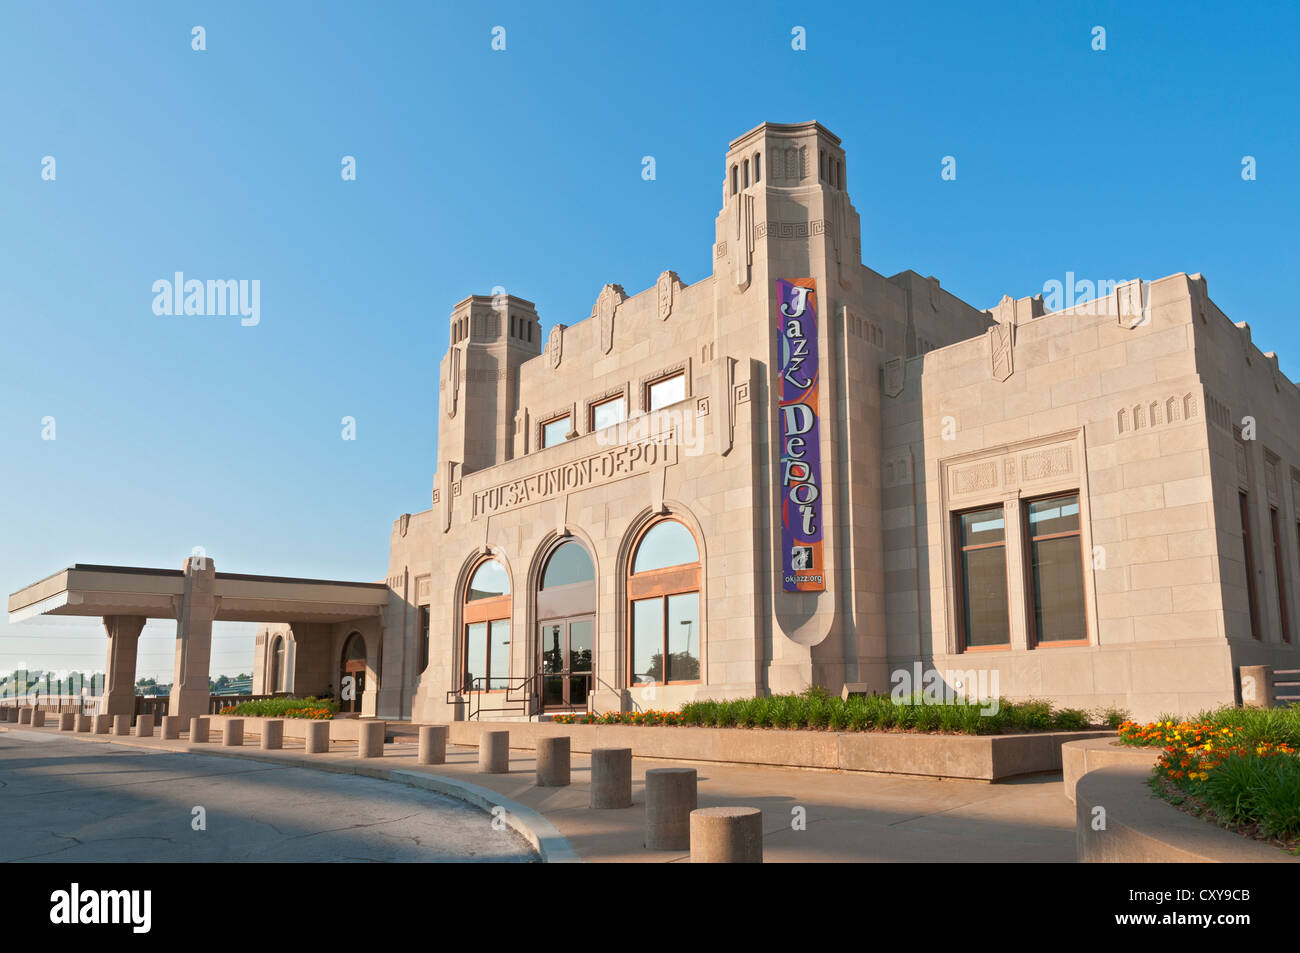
[[566, 647]]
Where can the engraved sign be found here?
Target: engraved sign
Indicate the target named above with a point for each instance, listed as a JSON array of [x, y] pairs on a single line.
[[614, 463]]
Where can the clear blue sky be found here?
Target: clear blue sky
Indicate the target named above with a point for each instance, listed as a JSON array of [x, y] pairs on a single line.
[[522, 169]]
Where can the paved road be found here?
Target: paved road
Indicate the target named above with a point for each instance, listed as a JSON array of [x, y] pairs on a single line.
[[72, 802]]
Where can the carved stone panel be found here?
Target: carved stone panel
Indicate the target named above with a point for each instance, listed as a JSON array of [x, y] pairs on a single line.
[[555, 345], [664, 287], [611, 296], [894, 376], [1002, 342]]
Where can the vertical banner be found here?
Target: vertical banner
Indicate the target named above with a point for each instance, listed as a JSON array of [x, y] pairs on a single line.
[[802, 567]]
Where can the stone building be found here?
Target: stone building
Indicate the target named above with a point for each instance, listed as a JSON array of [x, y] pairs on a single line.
[[799, 471]]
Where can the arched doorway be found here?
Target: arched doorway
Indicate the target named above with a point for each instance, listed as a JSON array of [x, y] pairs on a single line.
[[277, 666], [352, 673], [566, 627]]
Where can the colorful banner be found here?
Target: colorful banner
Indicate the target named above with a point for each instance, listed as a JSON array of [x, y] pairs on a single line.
[[802, 567]]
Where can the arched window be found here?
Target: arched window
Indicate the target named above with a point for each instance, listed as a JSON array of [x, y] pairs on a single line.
[[735, 179], [485, 649], [663, 592], [568, 564], [758, 167], [277, 665]]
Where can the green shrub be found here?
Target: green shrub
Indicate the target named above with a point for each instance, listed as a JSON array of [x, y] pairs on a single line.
[[1070, 719], [312, 707]]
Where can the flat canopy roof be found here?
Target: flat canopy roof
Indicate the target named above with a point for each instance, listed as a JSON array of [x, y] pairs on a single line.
[[88, 590]]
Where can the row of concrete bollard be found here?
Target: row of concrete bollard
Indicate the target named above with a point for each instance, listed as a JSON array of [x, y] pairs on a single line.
[[673, 819]]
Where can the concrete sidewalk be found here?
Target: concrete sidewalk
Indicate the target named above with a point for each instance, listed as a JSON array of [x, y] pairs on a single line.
[[809, 816]]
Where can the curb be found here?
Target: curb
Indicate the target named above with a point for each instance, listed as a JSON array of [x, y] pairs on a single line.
[[544, 837]]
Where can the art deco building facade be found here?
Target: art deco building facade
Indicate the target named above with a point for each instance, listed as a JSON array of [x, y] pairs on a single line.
[[799, 471]]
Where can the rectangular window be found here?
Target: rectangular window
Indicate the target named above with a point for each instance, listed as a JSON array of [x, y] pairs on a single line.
[[668, 391], [684, 637], [555, 431], [1280, 572], [608, 413], [1247, 548], [487, 655], [1056, 567], [648, 641], [982, 578], [424, 637]]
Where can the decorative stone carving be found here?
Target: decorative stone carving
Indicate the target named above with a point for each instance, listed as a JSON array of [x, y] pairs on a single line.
[[1045, 464], [933, 287], [555, 345], [976, 478], [454, 384], [1246, 346], [611, 296], [1132, 305], [402, 523], [1002, 342], [894, 376], [664, 286], [743, 253]]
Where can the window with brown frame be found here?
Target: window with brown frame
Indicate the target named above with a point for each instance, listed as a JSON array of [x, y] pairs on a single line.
[[983, 616], [556, 431], [664, 606], [666, 391], [485, 646], [1280, 572], [608, 413], [1248, 549], [1055, 549]]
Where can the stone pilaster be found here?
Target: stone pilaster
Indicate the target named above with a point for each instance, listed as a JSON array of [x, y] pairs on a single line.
[[119, 687], [190, 693]]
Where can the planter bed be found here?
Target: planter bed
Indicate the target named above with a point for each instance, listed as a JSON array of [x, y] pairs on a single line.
[[1142, 828], [976, 757]]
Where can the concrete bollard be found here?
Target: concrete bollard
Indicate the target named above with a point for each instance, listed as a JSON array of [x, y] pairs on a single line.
[[727, 835], [670, 796], [25, 716], [433, 745], [171, 727], [318, 737], [198, 730], [611, 778], [273, 734], [103, 724], [144, 726], [232, 733], [553, 762], [1256, 686], [370, 739], [85, 724], [38, 717], [121, 724], [67, 721], [494, 752]]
